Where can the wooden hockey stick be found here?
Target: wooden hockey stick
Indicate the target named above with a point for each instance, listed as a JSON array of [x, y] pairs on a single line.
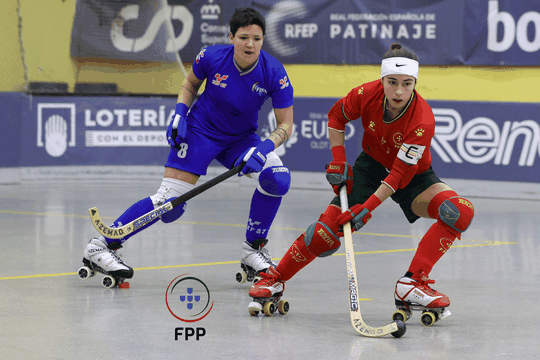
[[120, 232], [396, 328]]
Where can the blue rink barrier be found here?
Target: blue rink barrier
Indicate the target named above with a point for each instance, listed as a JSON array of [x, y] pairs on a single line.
[[473, 140]]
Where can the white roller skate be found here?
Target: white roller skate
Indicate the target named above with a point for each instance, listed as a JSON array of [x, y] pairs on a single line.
[[99, 257], [416, 295], [255, 259], [267, 294]]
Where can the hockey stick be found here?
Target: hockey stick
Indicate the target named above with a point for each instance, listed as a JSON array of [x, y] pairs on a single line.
[[397, 328], [120, 232]]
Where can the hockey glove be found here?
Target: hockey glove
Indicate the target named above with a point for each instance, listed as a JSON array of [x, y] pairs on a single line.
[[339, 172], [178, 126], [359, 214], [255, 157]]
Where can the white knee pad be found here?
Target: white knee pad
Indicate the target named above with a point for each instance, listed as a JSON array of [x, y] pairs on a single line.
[[170, 188]]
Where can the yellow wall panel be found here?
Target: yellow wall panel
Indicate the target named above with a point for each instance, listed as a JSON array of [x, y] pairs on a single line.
[[12, 72]]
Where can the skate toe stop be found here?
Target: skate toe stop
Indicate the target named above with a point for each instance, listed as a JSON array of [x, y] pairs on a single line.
[[402, 328], [124, 285]]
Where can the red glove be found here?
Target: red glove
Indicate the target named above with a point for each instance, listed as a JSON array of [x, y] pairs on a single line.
[[359, 214], [339, 172]]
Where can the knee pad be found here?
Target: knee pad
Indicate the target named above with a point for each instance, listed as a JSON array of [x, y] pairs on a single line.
[[452, 210], [321, 239], [275, 181], [169, 190]]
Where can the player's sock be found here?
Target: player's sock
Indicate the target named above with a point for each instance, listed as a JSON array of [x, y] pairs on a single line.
[[261, 215], [140, 208], [298, 256], [431, 248], [295, 259]]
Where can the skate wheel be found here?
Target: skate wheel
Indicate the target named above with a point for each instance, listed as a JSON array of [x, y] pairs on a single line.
[[256, 278], [241, 277], [428, 318], [108, 282], [254, 308], [85, 273], [283, 307], [402, 328], [269, 308], [400, 315]]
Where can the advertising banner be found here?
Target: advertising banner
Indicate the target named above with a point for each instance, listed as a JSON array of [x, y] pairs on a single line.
[[473, 140], [442, 32], [508, 35], [131, 131]]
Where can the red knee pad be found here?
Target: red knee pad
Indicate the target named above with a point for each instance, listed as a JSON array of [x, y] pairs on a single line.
[[452, 210], [320, 238]]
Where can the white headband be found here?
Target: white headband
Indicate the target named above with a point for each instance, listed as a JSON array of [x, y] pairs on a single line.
[[399, 66]]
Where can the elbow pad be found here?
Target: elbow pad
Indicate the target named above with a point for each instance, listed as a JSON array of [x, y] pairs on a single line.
[[400, 175]]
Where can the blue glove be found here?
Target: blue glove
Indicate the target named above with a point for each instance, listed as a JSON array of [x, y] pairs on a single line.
[[178, 126], [255, 157]]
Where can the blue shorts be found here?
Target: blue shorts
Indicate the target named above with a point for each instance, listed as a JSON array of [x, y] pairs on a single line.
[[198, 150]]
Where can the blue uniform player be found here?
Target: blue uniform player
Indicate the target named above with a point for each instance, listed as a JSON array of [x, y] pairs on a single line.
[[221, 125]]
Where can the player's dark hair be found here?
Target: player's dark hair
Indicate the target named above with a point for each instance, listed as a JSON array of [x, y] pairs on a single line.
[[243, 17], [397, 50]]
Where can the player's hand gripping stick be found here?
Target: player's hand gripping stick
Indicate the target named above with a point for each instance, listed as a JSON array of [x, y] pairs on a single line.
[[339, 172], [178, 126]]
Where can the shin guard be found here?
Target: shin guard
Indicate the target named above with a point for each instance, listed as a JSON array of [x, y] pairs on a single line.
[[432, 247]]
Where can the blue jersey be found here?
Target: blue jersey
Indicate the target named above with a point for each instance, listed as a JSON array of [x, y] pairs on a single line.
[[232, 98]]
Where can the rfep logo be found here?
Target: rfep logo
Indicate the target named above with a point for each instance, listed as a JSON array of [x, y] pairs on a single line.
[[188, 298]]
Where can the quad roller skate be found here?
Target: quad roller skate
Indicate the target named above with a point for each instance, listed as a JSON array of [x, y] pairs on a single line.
[[416, 295], [267, 294], [255, 259], [98, 257]]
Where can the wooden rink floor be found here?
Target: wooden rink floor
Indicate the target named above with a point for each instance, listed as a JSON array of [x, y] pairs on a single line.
[[47, 312]]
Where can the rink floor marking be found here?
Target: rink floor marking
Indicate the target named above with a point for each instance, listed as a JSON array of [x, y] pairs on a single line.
[[35, 276]]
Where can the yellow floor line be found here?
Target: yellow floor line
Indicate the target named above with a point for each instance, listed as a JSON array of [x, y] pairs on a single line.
[[490, 243]]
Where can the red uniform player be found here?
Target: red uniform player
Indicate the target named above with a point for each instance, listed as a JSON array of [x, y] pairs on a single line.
[[395, 162]]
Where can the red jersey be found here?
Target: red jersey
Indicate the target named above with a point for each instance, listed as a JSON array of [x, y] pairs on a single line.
[[407, 136]]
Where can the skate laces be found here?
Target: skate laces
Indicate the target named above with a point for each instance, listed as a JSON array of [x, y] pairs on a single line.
[[267, 279], [265, 255], [424, 285]]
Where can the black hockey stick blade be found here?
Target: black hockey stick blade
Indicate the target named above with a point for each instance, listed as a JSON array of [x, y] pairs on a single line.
[[122, 231], [396, 328]]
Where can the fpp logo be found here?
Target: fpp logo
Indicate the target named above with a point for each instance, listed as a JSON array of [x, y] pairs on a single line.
[[188, 299]]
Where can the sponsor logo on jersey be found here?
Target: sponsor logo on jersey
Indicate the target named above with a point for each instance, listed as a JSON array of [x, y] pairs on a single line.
[[419, 132], [284, 83], [258, 90], [218, 80]]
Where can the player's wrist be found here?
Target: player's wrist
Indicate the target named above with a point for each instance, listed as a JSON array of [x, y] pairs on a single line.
[[181, 109], [266, 146], [372, 203], [338, 153]]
